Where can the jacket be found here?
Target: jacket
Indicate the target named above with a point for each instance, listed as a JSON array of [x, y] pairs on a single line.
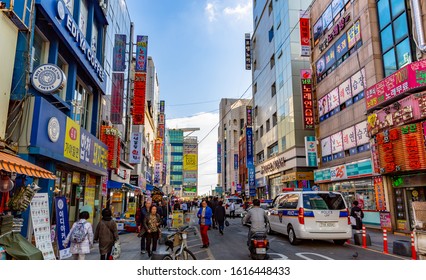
[[258, 218], [106, 232], [207, 216], [146, 226], [83, 247], [219, 213], [144, 212], [358, 214]]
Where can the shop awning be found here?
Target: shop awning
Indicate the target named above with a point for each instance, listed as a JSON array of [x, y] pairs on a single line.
[[149, 187], [133, 187], [11, 163], [114, 184]]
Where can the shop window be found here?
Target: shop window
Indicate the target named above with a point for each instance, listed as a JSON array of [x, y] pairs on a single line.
[[82, 105], [64, 66], [260, 157], [360, 190], [394, 35], [84, 13], [261, 131], [40, 50]]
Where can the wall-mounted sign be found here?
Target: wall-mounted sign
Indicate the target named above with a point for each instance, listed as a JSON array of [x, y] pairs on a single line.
[[138, 110], [249, 112], [162, 106], [272, 166], [48, 78], [307, 99], [53, 129], [219, 158], [336, 142], [247, 46], [249, 146], [311, 151], [141, 53], [135, 148], [349, 139], [337, 28], [119, 53], [305, 34], [353, 170], [326, 146], [117, 98]]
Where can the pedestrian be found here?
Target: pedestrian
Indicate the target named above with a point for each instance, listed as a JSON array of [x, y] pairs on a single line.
[[258, 218], [232, 210], [176, 207], [214, 205], [184, 207], [220, 215], [356, 216], [81, 237], [106, 233], [151, 224], [142, 230], [204, 215]]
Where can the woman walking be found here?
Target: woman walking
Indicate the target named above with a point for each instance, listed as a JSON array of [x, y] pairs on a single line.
[[152, 224], [205, 220], [107, 233], [219, 213], [81, 237]]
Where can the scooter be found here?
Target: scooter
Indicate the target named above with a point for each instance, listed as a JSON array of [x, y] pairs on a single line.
[[259, 244]]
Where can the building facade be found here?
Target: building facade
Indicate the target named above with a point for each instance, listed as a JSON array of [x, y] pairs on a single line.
[[190, 167]]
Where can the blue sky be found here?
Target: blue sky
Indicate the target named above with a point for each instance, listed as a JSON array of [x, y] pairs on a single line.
[[198, 50]]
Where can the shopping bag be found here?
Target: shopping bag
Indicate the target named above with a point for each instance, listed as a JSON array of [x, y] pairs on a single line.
[[353, 220], [226, 223], [116, 250]]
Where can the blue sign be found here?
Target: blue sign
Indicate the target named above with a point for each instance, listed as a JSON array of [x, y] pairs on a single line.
[[141, 53], [119, 53], [235, 161], [249, 144], [341, 46], [63, 22], [93, 153], [62, 226], [251, 176], [219, 158]]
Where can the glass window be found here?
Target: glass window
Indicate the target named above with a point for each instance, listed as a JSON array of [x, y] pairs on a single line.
[[64, 66], [387, 38], [70, 5], [389, 62], [400, 27], [323, 201], [94, 41], [403, 53], [384, 12], [398, 6], [39, 50], [83, 17], [82, 105]]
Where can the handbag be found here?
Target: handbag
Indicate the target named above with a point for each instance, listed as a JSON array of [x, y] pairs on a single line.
[[353, 220], [226, 223]]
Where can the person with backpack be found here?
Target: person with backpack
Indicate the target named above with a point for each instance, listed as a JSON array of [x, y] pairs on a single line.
[[107, 233], [356, 214], [81, 237]]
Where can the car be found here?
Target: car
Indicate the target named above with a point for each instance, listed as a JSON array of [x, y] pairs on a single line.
[[321, 215], [238, 202], [264, 206]]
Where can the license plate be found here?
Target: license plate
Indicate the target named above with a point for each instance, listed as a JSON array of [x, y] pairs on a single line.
[[260, 250], [327, 224]]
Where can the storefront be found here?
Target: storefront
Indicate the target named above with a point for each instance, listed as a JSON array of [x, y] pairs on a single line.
[[356, 182], [121, 194]]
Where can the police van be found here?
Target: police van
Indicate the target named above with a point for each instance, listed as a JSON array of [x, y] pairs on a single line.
[[238, 203], [310, 215]]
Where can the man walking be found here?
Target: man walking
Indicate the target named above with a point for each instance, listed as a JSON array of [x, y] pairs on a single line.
[[232, 210]]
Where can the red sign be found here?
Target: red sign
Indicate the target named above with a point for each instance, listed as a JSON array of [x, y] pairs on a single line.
[[307, 99], [110, 136], [249, 115], [412, 76], [158, 149], [305, 34], [380, 194], [138, 110]]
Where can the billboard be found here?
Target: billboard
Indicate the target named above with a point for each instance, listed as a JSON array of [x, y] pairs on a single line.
[[307, 99], [141, 53], [190, 162], [305, 34], [138, 110], [247, 46], [117, 98]]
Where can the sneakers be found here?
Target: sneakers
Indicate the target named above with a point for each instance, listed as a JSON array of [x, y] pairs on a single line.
[[143, 251]]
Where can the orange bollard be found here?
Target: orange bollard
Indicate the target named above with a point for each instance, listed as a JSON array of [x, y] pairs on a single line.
[[385, 241], [364, 237], [413, 248]]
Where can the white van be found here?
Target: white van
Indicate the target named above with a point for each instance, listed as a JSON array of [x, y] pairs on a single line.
[[310, 215], [238, 202]]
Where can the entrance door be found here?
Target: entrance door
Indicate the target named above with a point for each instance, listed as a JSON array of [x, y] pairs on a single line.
[[414, 194]]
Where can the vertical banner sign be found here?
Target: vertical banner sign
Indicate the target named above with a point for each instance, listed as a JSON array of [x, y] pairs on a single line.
[[235, 162], [117, 98], [139, 99], [135, 148], [311, 151], [157, 149], [41, 222], [248, 51], [119, 53], [72, 140], [249, 116], [219, 158], [305, 34], [249, 142], [252, 180], [307, 100], [62, 226], [162, 105], [157, 173], [141, 53]]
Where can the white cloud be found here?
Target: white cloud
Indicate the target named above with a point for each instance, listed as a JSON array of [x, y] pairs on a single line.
[[240, 11], [207, 153], [210, 10], [217, 9]]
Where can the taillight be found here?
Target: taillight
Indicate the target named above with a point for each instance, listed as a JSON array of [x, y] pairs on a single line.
[[301, 216], [260, 243], [349, 217]]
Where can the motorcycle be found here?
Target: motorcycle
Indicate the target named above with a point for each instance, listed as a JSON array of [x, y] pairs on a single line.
[[259, 244]]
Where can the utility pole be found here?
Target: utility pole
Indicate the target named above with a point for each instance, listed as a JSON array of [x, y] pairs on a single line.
[[127, 129]]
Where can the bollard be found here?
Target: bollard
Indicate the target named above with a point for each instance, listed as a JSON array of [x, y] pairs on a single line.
[[385, 242], [364, 238], [413, 248]]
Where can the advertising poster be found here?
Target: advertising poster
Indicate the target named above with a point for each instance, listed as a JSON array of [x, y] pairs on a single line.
[[349, 139], [327, 17], [138, 110], [311, 151], [247, 46], [135, 148], [235, 161], [62, 226], [305, 34], [323, 106], [320, 66], [361, 133], [117, 98], [190, 162], [380, 194], [141, 53], [385, 221], [345, 91], [219, 158], [338, 173], [89, 200], [119, 53], [336, 143], [72, 140], [249, 143], [40, 214], [333, 100], [341, 46], [330, 57], [358, 82], [318, 30], [336, 7], [326, 146]]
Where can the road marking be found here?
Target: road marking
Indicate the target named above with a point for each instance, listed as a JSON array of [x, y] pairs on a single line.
[[196, 245], [377, 251], [209, 253], [280, 256], [302, 255]]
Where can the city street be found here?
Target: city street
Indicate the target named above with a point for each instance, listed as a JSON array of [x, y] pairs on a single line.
[[232, 246]]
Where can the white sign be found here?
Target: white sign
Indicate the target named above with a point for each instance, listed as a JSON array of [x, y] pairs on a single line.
[[39, 208], [53, 129], [48, 78], [336, 143], [345, 91], [361, 133], [333, 99], [326, 146], [358, 82], [135, 148], [349, 139]]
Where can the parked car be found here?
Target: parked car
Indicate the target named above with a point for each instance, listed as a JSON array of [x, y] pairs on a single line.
[[238, 202], [310, 215], [264, 206]]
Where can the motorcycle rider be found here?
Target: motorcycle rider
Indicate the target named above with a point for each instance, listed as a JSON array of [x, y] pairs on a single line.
[[258, 218]]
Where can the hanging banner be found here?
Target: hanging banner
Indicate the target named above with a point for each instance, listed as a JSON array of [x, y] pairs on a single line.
[[235, 162], [162, 106], [139, 92], [117, 98], [62, 226], [219, 158], [336, 142], [307, 99], [311, 151], [141, 53], [157, 173], [305, 34], [380, 194], [249, 111], [135, 148], [40, 217], [119, 53], [247, 46], [249, 144]]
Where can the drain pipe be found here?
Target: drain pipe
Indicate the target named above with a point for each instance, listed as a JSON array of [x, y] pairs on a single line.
[[417, 16]]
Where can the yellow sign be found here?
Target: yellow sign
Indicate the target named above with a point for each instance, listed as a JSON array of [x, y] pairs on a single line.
[[177, 220], [190, 162], [117, 197], [72, 141], [131, 209], [296, 176], [76, 177], [89, 199]]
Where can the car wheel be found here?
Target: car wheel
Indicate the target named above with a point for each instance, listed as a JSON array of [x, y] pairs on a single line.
[[339, 242], [292, 236]]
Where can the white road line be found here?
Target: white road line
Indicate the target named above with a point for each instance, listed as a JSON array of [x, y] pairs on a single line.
[[280, 256], [302, 255]]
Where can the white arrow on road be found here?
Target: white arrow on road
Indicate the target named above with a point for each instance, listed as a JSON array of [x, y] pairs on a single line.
[[302, 255], [280, 256]]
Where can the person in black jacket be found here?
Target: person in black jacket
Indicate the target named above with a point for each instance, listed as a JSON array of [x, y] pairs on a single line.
[[219, 214], [144, 212], [358, 214]]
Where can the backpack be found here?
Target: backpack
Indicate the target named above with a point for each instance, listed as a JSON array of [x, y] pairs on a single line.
[[79, 233]]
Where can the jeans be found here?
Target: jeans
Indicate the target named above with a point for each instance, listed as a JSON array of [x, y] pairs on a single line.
[[232, 214], [143, 242], [221, 225]]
